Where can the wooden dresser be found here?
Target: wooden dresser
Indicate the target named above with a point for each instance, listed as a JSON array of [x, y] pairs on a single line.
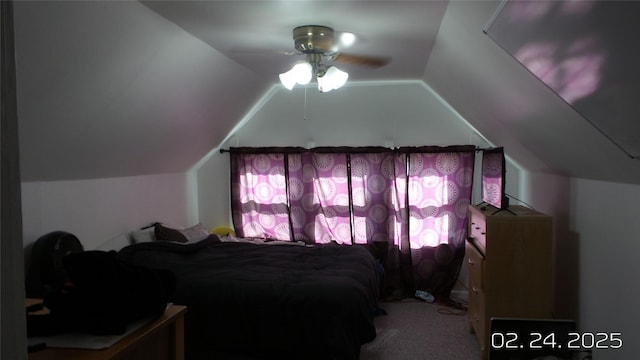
[[509, 259]]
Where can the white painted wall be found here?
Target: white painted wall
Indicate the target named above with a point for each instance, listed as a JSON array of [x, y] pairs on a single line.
[[100, 209], [550, 193], [214, 191], [402, 113], [604, 216]]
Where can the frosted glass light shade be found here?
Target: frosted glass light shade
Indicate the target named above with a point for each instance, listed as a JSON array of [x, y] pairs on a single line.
[[299, 74], [324, 85], [337, 77], [303, 73], [334, 78], [287, 80]]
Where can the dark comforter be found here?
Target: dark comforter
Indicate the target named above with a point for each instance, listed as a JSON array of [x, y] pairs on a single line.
[[278, 301]]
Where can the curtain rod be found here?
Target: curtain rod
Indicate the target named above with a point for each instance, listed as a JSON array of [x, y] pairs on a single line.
[[222, 151]]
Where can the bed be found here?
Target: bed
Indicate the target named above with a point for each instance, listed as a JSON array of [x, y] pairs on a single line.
[[255, 300]]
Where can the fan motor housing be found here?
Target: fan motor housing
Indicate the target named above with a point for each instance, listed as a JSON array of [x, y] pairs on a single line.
[[310, 39]]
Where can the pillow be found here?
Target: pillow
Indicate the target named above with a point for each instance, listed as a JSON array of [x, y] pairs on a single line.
[[115, 243], [164, 233], [195, 233], [145, 235], [223, 230]]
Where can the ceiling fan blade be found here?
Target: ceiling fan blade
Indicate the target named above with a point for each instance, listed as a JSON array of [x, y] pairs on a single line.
[[371, 61], [254, 51]]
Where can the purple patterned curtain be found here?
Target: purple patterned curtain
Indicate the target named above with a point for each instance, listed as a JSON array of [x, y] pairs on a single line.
[[259, 196], [379, 183], [413, 199], [439, 191], [319, 197]]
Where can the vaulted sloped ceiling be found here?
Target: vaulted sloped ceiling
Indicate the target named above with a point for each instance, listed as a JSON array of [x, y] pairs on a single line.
[[512, 108], [108, 89]]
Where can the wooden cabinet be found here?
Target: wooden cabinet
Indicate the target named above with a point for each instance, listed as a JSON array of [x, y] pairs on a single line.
[[509, 261], [161, 339]]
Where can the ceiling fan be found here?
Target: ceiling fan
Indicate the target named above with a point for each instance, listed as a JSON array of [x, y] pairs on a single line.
[[317, 42]]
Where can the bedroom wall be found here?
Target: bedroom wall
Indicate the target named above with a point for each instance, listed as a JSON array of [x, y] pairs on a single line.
[[100, 209], [359, 114], [604, 216], [213, 191], [550, 193], [595, 251]]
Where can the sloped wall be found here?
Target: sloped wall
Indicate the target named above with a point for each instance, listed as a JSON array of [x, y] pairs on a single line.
[[112, 89]]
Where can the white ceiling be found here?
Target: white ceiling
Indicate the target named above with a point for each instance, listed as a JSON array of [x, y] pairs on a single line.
[[257, 34], [123, 88]]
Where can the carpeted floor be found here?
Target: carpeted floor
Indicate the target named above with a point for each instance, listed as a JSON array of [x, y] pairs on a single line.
[[413, 329]]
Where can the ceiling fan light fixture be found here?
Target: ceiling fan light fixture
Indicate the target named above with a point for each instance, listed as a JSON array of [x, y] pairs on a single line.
[[333, 78], [317, 43], [287, 80], [323, 84], [302, 73], [299, 74]]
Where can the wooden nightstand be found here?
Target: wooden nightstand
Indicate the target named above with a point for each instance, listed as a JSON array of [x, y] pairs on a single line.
[[162, 339]]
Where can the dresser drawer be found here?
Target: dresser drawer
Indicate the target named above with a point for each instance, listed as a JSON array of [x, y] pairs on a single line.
[[478, 230], [475, 266], [475, 263], [478, 318]]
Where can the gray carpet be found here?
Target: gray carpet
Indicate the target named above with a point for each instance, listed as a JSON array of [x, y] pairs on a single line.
[[414, 329]]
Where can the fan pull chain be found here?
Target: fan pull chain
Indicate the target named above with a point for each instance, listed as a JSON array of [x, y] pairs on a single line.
[[305, 104]]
